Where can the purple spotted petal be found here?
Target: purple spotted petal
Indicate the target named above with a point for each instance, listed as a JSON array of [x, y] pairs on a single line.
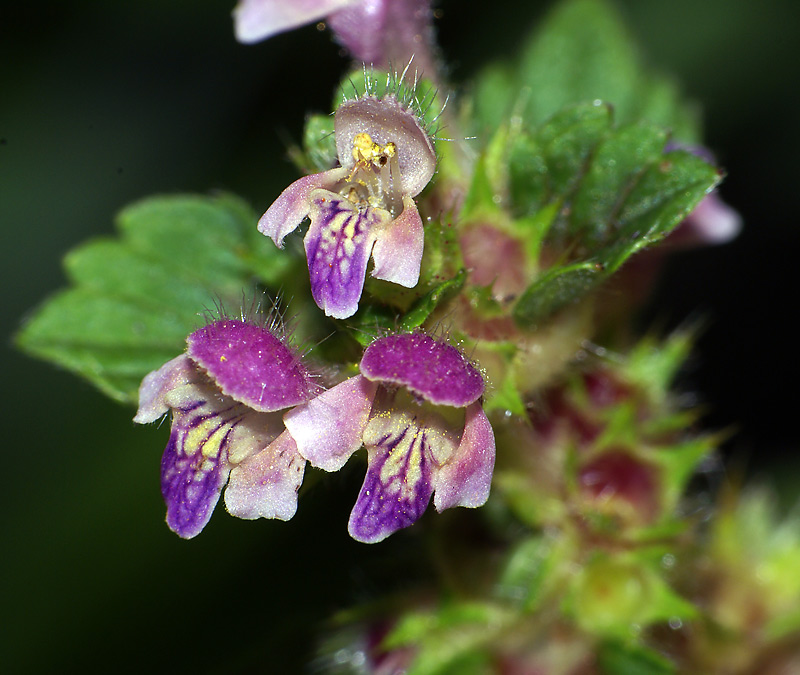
[[256, 20], [266, 484], [156, 385], [195, 465], [293, 204], [398, 249], [338, 246], [434, 370], [397, 487], [467, 476], [250, 364], [328, 428]]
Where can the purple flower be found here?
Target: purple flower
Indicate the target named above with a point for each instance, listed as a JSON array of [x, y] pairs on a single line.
[[363, 208], [379, 32], [224, 394], [416, 407]]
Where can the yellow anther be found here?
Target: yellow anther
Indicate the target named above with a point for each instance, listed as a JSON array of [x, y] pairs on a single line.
[[363, 147]]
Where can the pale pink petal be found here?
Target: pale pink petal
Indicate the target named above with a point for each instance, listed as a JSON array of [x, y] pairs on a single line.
[[256, 20], [328, 428], [293, 204], [266, 484], [466, 478], [156, 385], [398, 250]]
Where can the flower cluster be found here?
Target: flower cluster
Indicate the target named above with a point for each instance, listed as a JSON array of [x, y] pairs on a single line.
[[248, 413], [415, 406]]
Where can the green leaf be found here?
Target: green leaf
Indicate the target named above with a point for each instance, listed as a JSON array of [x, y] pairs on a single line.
[[613, 171], [555, 290], [583, 52], [134, 299], [424, 307], [627, 195]]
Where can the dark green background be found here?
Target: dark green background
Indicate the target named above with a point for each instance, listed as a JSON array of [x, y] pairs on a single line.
[[104, 103]]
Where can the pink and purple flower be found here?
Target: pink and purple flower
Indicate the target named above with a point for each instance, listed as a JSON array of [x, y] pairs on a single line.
[[416, 407], [224, 394], [377, 32], [362, 209]]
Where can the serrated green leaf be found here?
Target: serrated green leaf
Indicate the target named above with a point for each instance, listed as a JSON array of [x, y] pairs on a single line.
[[135, 299], [567, 141], [614, 168], [527, 176], [581, 52], [627, 196], [492, 99]]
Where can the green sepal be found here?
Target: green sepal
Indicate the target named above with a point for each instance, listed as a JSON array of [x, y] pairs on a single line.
[[424, 307], [653, 363], [134, 299], [373, 320], [506, 398], [319, 145]]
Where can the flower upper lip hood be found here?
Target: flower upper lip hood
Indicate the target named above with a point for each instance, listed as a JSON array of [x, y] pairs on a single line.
[[386, 121], [435, 371], [251, 365]]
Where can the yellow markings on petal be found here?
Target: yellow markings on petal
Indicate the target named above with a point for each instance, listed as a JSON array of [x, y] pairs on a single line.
[[402, 469], [207, 437]]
